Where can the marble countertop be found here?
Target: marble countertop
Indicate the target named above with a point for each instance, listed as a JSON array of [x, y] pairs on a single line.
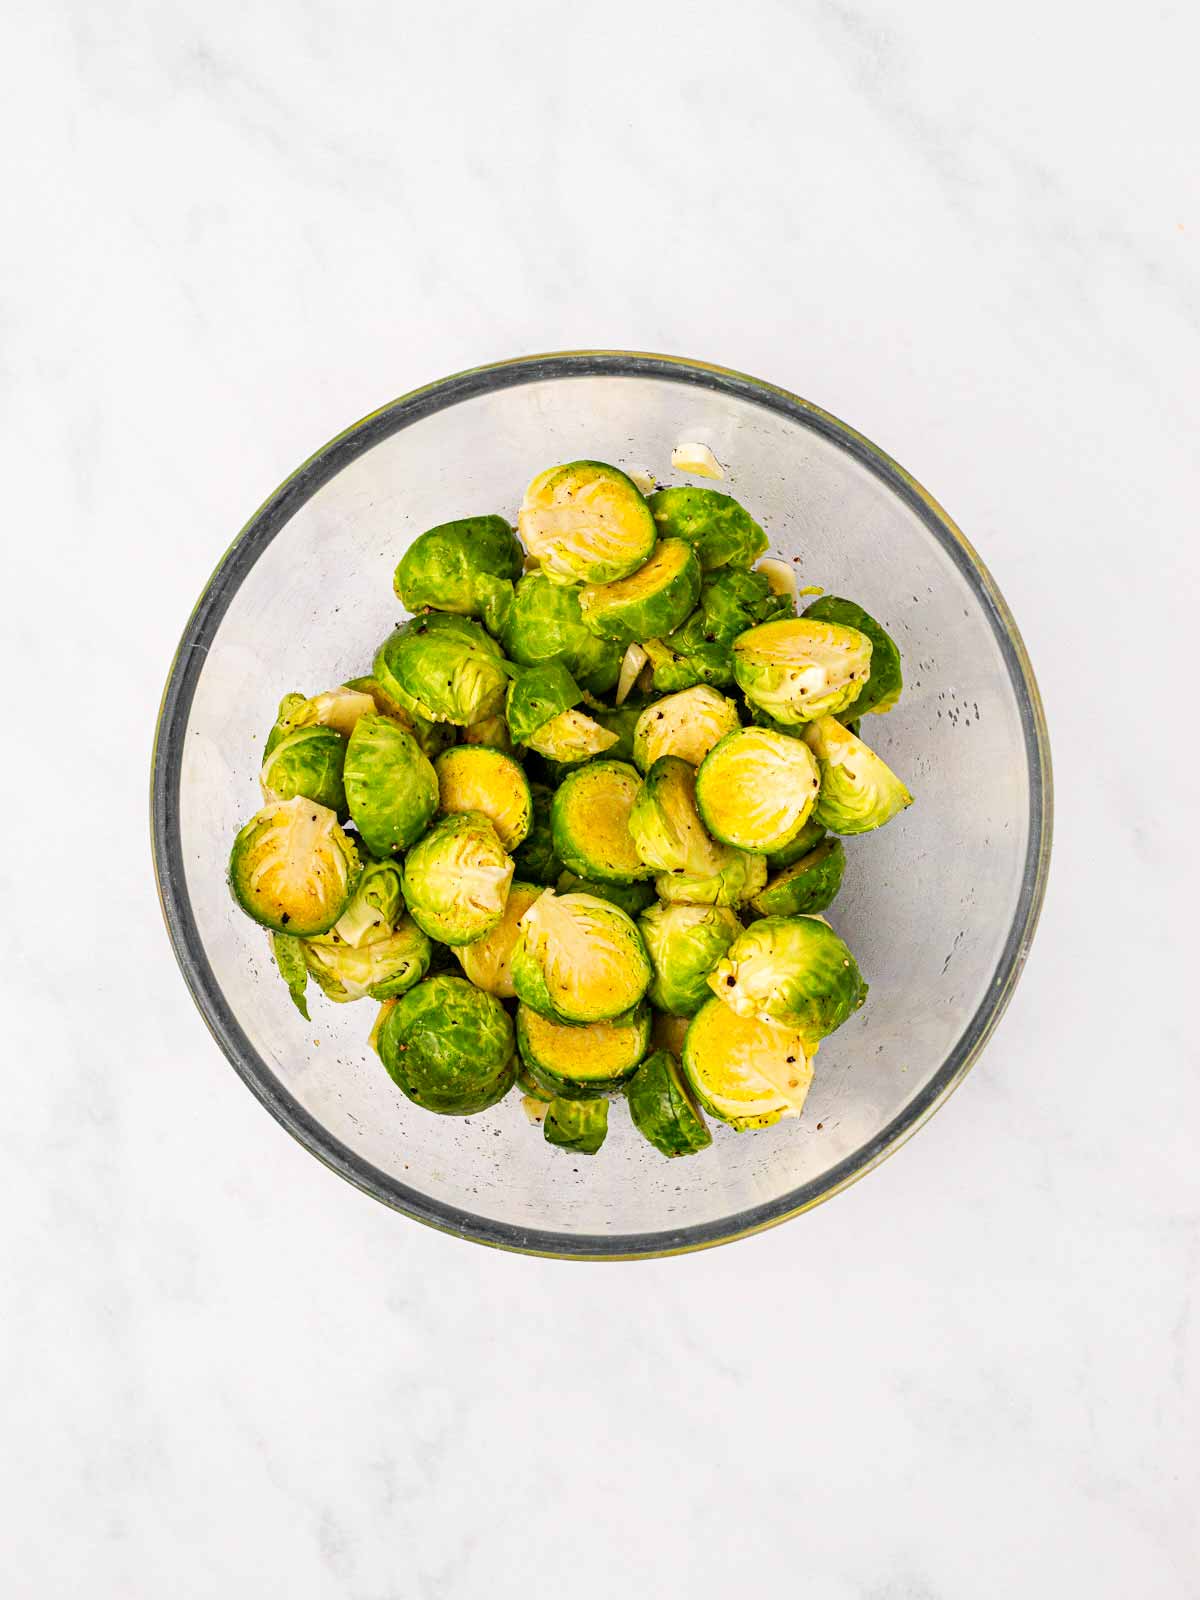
[[974, 236]]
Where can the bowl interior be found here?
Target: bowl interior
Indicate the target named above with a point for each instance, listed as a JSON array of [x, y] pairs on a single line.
[[938, 906]]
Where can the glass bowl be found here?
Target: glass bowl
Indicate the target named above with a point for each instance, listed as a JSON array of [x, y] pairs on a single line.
[[939, 907]]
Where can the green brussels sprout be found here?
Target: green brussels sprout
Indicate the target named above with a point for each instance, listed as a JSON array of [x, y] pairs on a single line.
[[664, 1109], [796, 669], [665, 824], [338, 709], [590, 819], [807, 886], [307, 763], [456, 879], [571, 737], [492, 733], [391, 787], [536, 861], [468, 567], [581, 1060], [651, 601], [580, 1126], [292, 868], [488, 961], [859, 791], [794, 971], [621, 722], [684, 944], [746, 1072], [537, 695], [579, 959], [545, 625], [687, 724], [756, 789], [738, 878], [586, 522], [722, 532], [376, 905], [886, 678], [477, 778], [445, 666], [631, 897], [449, 1047], [807, 839], [289, 958], [701, 650], [431, 736], [288, 706], [380, 969]]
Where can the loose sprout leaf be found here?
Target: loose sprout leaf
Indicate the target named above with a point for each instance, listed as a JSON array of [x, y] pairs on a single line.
[[289, 958], [697, 458], [538, 694], [781, 575], [632, 662]]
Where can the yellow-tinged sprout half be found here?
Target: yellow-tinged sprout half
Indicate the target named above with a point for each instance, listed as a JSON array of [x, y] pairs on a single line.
[[580, 1061], [684, 944], [590, 822], [651, 601], [579, 959], [456, 879], [338, 709], [380, 970], [376, 905], [670, 837], [791, 970], [757, 788], [293, 869], [586, 523], [571, 736], [747, 1073], [796, 669], [477, 778], [488, 962], [859, 791], [687, 724]]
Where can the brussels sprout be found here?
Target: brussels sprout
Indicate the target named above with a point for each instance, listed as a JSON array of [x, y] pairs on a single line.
[[859, 791], [571, 737], [631, 897], [886, 679], [666, 827], [668, 1032], [488, 962], [756, 789], [687, 724], [622, 722], [445, 666], [721, 531], [590, 819], [579, 959], [663, 1108], [580, 1126], [796, 669], [577, 1060], [684, 944], [807, 886], [456, 879], [449, 1047], [492, 732], [651, 601], [292, 868], [738, 878], [376, 905], [794, 971], [545, 625], [535, 860], [380, 969], [476, 778], [701, 650], [391, 787], [288, 706], [586, 522], [289, 958], [468, 567], [807, 839], [431, 736], [747, 1073], [307, 763], [537, 695], [338, 709]]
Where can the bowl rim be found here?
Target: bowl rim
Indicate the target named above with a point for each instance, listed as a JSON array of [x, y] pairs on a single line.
[[166, 762]]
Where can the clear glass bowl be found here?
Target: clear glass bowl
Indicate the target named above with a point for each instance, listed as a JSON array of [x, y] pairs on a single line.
[[939, 906]]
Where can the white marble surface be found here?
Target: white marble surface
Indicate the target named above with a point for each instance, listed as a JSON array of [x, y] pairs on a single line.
[[233, 229]]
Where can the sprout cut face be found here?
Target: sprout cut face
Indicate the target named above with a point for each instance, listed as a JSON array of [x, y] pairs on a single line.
[[467, 567], [476, 778], [289, 958], [590, 820], [794, 971], [380, 970], [307, 763], [747, 1073], [721, 532], [456, 879], [293, 869], [445, 667], [651, 601], [338, 709], [579, 959], [488, 962], [581, 1061], [756, 789], [586, 522], [376, 905], [663, 1108], [545, 626], [859, 791], [449, 1047], [571, 737], [807, 886], [684, 944], [391, 788], [886, 679], [796, 669], [687, 725]]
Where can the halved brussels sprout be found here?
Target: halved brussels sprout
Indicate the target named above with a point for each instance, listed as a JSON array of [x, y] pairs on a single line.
[[794, 971], [571, 737], [756, 789], [665, 824], [651, 601], [668, 1032], [537, 695], [590, 818], [488, 962], [476, 778], [738, 878], [581, 1060], [859, 791], [307, 763], [586, 522], [687, 724], [338, 709], [545, 625], [747, 1073], [580, 1126], [631, 897], [491, 732], [431, 736], [289, 958], [886, 678], [380, 969], [376, 905], [684, 944], [536, 861], [796, 669], [292, 868], [579, 959], [468, 567], [663, 1108], [282, 726], [807, 839], [722, 532], [445, 666], [449, 1047], [807, 886], [391, 788], [456, 879], [701, 649]]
